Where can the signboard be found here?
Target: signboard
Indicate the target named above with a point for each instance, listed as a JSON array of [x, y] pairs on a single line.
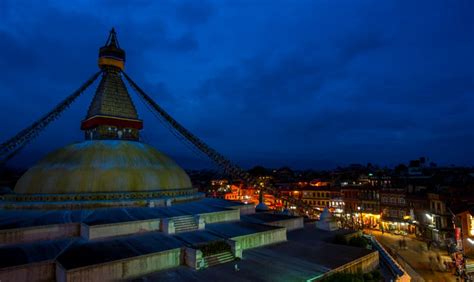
[[457, 234]]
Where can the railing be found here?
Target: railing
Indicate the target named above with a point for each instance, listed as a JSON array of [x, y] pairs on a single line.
[[398, 272]]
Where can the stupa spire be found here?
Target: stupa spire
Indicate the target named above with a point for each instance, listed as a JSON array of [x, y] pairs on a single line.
[[111, 55], [112, 114], [112, 39]]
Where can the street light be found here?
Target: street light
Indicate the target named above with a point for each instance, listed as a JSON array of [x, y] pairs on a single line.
[[361, 220]]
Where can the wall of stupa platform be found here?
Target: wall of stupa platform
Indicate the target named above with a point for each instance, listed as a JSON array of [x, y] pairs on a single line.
[[222, 216], [192, 257], [255, 236], [95, 200], [289, 224], [97, 231], [40, 271], [22, 226], [76, 205], [122, 269], [261, 239], [119, 229], [363, 264], [281, 220], [245, 209], [249, 235], [39, 233]]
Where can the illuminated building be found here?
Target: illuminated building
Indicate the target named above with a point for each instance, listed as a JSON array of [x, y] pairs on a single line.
[[350, 196], [318, 196], [465, 222], [369, 199], [439, 217], [418, 205], [318, 183], [290, 191], [395, 211]]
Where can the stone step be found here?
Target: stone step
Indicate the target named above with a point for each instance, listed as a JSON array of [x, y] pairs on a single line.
[[185, 226], [179, 230], [223, 254], [187, 220], [183, 218], [218, 259], [217, 262], [184, 222]]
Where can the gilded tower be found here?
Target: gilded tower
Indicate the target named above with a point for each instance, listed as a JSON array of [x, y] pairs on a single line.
[[112, 114]]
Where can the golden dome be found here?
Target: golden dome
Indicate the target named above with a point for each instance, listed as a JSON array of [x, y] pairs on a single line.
[[103, 166]]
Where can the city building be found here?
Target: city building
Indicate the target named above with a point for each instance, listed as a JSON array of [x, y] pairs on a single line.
[[395, 212], [317, 196], [351, 196], [465, 222], [439, 218], [369, 203], [418, 206]]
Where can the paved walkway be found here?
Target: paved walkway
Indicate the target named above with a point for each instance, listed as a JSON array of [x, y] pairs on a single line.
[[423, 262]]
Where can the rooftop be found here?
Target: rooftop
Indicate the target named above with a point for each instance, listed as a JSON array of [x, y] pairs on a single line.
[[305, 255], [238, 228], [265, 217], [21, 254], [84, 253], [29, 218]]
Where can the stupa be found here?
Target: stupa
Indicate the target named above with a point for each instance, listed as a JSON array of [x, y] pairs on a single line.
[[326, 221], [112, 167]]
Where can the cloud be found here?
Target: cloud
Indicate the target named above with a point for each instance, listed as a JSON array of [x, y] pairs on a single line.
[[316, 80], [194, 12]]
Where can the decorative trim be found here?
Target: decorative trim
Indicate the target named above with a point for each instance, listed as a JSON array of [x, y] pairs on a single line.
[[111, 61], [113, 196], [112, 121]]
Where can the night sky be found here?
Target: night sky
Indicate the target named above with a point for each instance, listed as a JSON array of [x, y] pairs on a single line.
[[308, 84]]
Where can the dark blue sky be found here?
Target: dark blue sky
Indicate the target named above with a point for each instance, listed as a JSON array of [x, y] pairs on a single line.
[[298, 83]]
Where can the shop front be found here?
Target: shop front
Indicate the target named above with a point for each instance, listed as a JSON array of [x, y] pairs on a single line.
[[370, 220], [397, 226]]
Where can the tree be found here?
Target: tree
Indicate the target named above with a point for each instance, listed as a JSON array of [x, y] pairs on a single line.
[[401, 169], [258, 171], [358, 241]]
